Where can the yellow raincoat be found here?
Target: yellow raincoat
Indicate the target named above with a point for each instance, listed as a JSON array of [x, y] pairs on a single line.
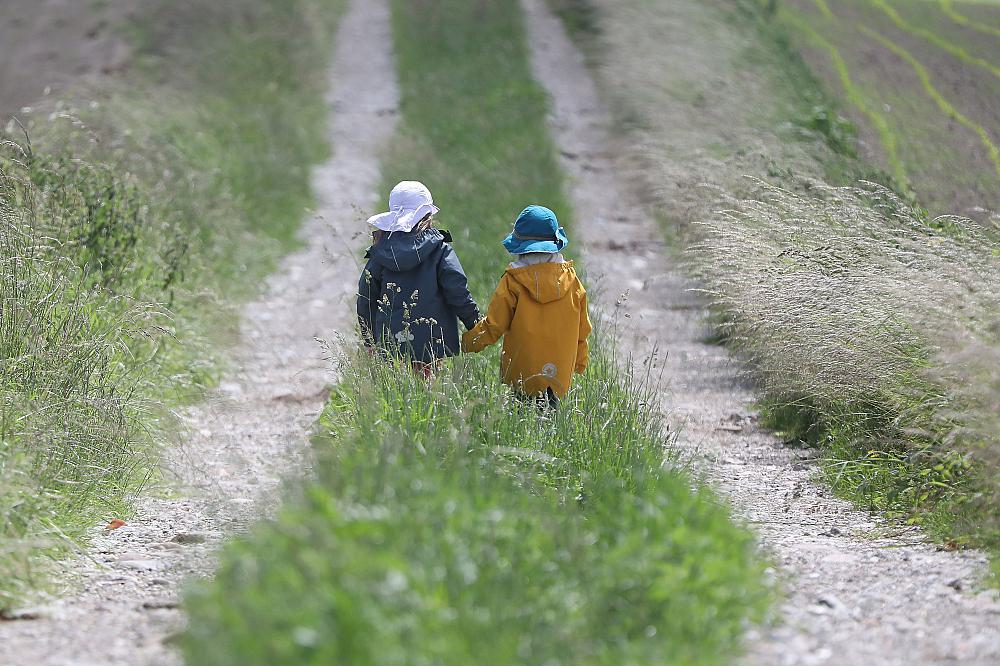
[[540, 311]]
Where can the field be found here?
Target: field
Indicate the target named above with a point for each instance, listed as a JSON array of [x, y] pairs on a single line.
[[921, 81]]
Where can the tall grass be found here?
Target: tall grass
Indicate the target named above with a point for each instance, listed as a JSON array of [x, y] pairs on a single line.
[[132, 211], [448, 522], [72, 439], [851, 306]]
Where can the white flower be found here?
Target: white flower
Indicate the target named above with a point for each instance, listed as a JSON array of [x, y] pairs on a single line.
[[404, 336]]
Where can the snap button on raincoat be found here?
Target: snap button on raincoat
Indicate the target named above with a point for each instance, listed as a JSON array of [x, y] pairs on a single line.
[[540, 310]]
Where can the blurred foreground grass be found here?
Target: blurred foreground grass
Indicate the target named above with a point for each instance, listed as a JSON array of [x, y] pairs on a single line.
[[446, 523]]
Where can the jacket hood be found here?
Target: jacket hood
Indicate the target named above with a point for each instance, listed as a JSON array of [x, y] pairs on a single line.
[[404, 251], [546, 282]]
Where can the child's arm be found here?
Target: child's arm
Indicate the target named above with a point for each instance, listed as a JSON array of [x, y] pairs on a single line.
[[583, 347], [369, 291], [455, 287], [497, 321]]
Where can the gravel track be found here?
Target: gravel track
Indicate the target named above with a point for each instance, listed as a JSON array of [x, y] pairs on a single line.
[[254, 430], [858, 590]]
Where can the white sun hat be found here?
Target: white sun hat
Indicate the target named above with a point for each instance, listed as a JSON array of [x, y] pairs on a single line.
[[409, 202]]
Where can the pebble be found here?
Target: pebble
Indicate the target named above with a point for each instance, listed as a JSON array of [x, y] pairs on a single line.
[[160, 604], [190, 537], [148, 564], [21, 614]]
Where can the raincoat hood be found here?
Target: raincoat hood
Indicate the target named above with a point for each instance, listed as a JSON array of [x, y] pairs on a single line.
[[546, 282], [401, 251]]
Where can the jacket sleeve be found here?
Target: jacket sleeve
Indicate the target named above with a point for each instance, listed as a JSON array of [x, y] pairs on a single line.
[[497, 321], [369, 292], [455, 288], [583, 346]]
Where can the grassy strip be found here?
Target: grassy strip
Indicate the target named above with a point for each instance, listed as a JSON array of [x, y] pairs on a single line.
[[895, 387], [119, 223], [843, 306], [449, 523], [886, 383]]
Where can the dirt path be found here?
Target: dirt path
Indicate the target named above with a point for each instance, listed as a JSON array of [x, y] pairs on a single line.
[[254, 429], [859, 590]]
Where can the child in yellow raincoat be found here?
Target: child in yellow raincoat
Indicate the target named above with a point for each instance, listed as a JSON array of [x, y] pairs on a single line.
[[540, 310]]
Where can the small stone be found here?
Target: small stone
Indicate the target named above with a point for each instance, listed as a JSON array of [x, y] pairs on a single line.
[[189, 537], [22, 614], [956, 584], [163, 582], [231, 388], [161, 604], [831, 602], [148, 564]]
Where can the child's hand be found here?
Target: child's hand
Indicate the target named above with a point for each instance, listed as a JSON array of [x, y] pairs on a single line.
[[467, 343]]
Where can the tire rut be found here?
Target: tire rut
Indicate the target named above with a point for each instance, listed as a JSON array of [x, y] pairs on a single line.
[[857, 589], [123, 607]]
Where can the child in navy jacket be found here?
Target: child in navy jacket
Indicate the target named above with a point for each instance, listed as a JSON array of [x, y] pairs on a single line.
[[413, 289]]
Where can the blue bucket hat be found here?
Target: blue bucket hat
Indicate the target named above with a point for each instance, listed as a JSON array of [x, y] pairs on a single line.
[[536, 230]]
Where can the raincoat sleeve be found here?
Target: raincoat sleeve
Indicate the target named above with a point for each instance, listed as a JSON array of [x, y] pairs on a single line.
[[583, 347], [455, 288], [497, 321], [369, 291]]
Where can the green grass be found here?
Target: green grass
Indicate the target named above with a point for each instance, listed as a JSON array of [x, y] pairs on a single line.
[[132, 211], [448, 523]]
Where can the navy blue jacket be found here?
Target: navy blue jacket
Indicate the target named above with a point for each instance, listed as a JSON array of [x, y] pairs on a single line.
[[412, 293]]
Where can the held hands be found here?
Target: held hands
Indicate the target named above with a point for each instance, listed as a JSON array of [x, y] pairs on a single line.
[[470, 339]]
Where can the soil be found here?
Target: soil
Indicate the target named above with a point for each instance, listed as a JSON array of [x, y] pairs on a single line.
[[858, 589], [962, 180], [49, 45], [254, 430]]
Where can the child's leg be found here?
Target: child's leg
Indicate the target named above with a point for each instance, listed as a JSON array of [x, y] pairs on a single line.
[[428, 370], [543, 402]]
